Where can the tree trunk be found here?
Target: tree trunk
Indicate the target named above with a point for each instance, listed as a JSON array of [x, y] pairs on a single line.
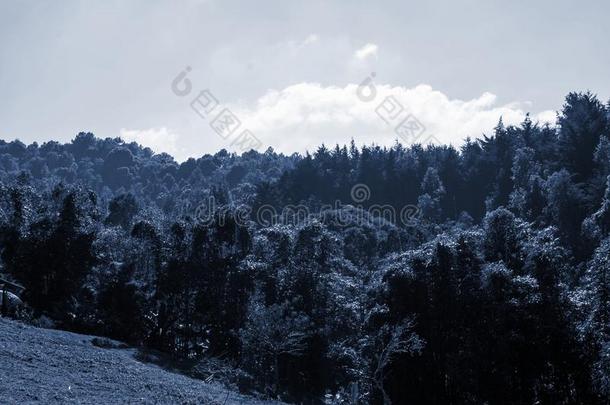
[[276, 374]]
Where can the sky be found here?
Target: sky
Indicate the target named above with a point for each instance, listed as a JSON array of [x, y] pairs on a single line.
[[293, 74]]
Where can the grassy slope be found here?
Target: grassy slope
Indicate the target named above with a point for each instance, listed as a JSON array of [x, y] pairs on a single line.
[[50, 366]]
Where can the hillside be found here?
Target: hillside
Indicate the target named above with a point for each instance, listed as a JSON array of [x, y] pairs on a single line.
[[49, 366]]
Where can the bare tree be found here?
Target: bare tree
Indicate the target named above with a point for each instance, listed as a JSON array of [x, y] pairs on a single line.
[[391, 341]]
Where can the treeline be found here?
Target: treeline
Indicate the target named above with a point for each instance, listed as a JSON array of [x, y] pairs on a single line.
[[111, 167], [498, 292]]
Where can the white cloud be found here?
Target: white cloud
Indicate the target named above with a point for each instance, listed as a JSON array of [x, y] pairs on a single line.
[[547, 116], [292, 46], [157, 139], [366, 51], [303, 116], [311, 39]]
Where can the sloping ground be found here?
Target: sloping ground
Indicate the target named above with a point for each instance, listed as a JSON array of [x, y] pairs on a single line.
[[50, 366]]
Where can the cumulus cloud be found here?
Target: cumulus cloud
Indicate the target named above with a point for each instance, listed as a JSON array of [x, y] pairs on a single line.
[[303, 116], [157, 139], [368, 50]]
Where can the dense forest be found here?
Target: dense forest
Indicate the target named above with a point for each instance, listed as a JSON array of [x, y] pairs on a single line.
[[496, 290]]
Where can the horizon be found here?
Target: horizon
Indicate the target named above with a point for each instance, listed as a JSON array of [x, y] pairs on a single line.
[[291, 79], [300, 154]]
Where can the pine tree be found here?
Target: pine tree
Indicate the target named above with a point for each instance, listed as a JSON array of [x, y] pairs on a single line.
[[583, 121]]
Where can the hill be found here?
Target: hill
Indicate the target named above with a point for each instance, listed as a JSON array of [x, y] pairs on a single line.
[[50, 366]]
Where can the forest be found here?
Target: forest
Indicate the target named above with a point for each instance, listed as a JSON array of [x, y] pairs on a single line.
[[495, 290]]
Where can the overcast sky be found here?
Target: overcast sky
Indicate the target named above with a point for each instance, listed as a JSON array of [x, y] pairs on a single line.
[[290, 70]]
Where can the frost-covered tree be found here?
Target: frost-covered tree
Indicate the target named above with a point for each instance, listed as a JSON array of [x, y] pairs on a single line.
[[270, 335], [597, 226], [389, 342], [582, 122], [596, 324], [433, 192]]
